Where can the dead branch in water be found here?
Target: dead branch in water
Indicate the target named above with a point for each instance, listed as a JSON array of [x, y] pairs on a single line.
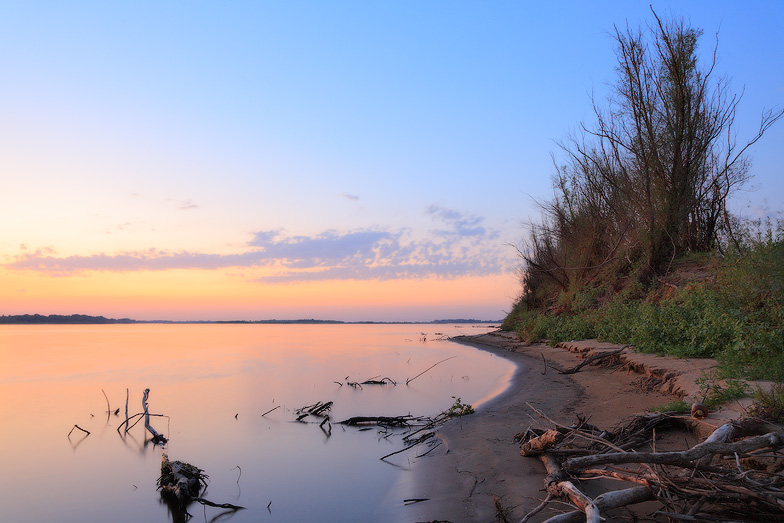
[[384, 421], [140, 416], [382, 458], [181, 483], [274, 408], [382, 381], [127, 395], [156, 438], [318, 409], [409, 380], [80, 428]]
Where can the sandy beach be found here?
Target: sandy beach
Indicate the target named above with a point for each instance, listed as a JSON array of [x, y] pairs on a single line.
[[480, 467]]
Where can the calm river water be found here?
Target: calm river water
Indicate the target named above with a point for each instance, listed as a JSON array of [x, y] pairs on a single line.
[[213, 383]]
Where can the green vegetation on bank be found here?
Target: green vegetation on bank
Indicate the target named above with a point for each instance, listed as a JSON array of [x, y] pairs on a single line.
[[728, 307], [637, 246]]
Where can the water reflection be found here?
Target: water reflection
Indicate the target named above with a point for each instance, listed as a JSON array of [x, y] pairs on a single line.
[[229, 394]]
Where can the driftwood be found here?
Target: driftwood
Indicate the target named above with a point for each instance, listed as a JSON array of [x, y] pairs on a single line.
[[180, 484], [384, 421], [317, 409], [375, 381], [420, 440], [536, 446], [179, 480], [156, 438], [608, 501], [591, 359], [686, 458], [127, 397], [557, 484], [703, 483]]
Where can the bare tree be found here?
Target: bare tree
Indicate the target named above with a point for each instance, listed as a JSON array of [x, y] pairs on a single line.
[[650, 179]]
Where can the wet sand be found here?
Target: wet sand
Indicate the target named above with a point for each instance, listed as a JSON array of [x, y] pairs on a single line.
[[480, 468]]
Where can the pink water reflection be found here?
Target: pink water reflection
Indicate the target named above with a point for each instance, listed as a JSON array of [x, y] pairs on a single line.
[[214, 382]]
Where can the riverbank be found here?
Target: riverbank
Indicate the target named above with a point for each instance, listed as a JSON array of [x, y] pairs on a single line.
[[479, 469]]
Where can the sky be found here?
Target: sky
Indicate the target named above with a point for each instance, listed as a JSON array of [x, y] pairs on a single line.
[[358, 161]]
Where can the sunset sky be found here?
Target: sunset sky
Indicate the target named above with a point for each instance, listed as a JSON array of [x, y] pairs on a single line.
[[337, 160]]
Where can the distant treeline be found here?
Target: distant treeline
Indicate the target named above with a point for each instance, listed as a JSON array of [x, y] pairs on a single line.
[[57, 318], [460, 320], [85, 319]]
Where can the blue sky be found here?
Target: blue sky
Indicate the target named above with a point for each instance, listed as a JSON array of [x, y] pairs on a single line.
[[281, 143]]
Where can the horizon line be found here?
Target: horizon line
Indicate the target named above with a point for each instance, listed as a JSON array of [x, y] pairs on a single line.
[[84, 319]]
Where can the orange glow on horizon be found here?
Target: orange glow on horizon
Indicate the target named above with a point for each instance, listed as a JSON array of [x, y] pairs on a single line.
[[220, 295]]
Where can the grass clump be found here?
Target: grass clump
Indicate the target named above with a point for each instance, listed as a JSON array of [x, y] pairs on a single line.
[[675, 406], [769, 405]]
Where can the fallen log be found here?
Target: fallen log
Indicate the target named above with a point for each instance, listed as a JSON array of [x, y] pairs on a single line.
[[608, 501], [539, 444], [557, 484], [684, 458]]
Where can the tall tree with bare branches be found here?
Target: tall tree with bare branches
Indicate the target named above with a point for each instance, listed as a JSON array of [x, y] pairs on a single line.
[[650, 178]]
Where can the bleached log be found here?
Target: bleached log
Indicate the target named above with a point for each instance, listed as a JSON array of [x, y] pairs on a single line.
[[556, 484], [156, 438], [608, 501], [773, 440], [536, 446]]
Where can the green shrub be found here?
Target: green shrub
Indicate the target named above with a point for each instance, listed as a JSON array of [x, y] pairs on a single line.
[[734, 314], [459, 408], [715, 393]]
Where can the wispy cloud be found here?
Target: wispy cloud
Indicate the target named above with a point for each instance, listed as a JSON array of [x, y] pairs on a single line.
[[150, 260], [187, 205], [463, 247], [350, 196], [459, 224]]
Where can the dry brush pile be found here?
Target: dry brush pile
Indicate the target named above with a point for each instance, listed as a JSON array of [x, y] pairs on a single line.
[[735, 474]]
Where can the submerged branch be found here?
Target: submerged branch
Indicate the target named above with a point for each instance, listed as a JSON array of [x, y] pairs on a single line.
[[409, 380]]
